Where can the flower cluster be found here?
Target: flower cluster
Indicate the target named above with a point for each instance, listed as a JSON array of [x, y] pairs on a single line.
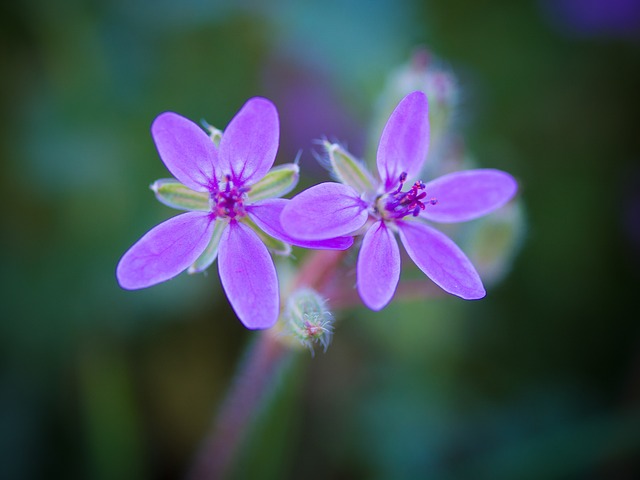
[[226, 183]]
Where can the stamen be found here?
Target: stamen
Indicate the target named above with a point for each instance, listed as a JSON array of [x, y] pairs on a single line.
[[400, 204], [230, 201], [403, 178]]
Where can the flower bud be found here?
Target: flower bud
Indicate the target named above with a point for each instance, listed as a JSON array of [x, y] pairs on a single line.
[[423, 72], [307, 319], [492, 242]]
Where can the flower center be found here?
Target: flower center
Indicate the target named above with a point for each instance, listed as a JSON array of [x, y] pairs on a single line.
[[229, 201], [399, 204]]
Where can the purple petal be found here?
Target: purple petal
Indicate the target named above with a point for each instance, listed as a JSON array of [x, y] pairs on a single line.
[[248, 277], [250, 142], [165, 251], [324, 211], [441, 260], [187, 152], [266, 214], [405, 140], [378, 269], [466, 195]]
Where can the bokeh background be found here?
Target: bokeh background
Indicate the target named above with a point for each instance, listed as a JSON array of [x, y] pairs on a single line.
[[539, 380]]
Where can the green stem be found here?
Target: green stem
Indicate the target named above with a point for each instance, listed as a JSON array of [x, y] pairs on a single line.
[[256, 375]]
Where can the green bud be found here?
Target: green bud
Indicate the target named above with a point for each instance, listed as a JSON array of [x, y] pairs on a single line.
[[307, 319], [210, 253], [278, 181], [348, 169], [494, 241], [174, 194]]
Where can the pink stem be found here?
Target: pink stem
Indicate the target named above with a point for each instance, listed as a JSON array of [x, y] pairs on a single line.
[[264, 360]]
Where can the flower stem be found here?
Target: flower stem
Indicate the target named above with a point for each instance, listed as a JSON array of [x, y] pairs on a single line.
[[262, 364], [256, 376]]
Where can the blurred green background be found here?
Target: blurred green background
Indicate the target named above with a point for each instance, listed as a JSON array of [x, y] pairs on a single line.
[[539, 380]]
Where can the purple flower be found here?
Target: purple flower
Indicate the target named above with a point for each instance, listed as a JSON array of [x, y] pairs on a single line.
[[382, 207], [228, 190]]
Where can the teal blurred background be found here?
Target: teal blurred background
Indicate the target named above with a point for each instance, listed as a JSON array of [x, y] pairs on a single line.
[[539, 380]]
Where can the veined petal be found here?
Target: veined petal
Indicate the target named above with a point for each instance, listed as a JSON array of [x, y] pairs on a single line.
[[405, 140], [324, 211], [248, 277], [469, 194], [378, 269], [278, 181], [165, 251], [441, 260], [266, 214], [176, 195], [186, 150], [250, 142]]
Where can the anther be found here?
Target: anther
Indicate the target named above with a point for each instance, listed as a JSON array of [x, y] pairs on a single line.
[[400, 204]]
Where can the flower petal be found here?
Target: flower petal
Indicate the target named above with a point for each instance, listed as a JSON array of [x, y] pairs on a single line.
[[405, 140], [469, 194], [250, 142], [248, 277], [266, 214], [165, 251], [186, 150], [441, 260], [378, 269], [324, 211]]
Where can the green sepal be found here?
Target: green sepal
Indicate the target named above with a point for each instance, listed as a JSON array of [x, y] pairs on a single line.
[[348, 169], [214, 134], [276, 246], [174, 194], [278, 181], [210, 253]]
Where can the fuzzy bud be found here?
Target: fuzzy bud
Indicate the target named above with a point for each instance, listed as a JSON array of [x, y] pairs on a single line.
[[307, 319], [425, 73]]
